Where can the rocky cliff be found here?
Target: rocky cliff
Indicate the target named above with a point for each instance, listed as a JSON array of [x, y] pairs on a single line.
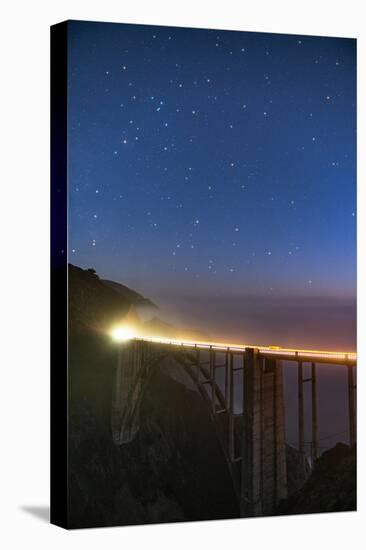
[[331, 486], [174, 469]]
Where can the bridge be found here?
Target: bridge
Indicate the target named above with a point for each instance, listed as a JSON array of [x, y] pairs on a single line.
[[253, 437]]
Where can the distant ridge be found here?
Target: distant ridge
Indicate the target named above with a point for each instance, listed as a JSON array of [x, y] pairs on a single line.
[[135, 298], [96, 304]]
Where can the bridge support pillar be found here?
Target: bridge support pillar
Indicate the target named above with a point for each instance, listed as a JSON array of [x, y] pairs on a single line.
[[351, 406], [127, 392], [263, 475]]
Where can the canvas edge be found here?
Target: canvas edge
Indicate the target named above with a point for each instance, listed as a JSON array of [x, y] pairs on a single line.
[[59, 491]]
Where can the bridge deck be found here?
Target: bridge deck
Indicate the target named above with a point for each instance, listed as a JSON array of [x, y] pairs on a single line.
[[275, 352]]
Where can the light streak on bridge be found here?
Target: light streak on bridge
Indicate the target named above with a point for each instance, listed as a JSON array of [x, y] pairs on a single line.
[[289, 354]]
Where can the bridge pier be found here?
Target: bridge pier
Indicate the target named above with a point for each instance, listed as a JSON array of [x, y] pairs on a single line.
[[351, 406], [263, 465], [125, 415]]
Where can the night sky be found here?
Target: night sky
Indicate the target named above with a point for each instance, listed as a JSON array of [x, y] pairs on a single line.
[[215, 165]]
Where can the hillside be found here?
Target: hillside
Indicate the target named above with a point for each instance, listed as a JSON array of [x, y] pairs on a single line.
[[97, 304], [164, 473], [174, 469], [131, 295], [331, 486]]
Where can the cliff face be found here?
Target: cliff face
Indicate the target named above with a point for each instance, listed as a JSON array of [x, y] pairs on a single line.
[[331, 486], [298, 470], [92, 303], [174, 469]]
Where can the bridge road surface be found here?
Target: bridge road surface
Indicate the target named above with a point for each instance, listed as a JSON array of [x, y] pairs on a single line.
[[276, 352]]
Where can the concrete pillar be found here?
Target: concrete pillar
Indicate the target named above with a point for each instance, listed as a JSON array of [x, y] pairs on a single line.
[[263, 476], [351, 406], [314, 415], [126, 393]]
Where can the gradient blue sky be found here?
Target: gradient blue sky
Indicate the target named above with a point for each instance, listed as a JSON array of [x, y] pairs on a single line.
[[213, 163]]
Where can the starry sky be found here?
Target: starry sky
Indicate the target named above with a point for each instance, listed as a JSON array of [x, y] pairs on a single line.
[[209, 164]]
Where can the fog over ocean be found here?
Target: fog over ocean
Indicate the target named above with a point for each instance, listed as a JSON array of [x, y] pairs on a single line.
[[309, 322]]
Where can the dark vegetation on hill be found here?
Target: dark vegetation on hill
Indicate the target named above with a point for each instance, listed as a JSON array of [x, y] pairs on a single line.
[[98, 304], [130, 295], [92, 303]]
